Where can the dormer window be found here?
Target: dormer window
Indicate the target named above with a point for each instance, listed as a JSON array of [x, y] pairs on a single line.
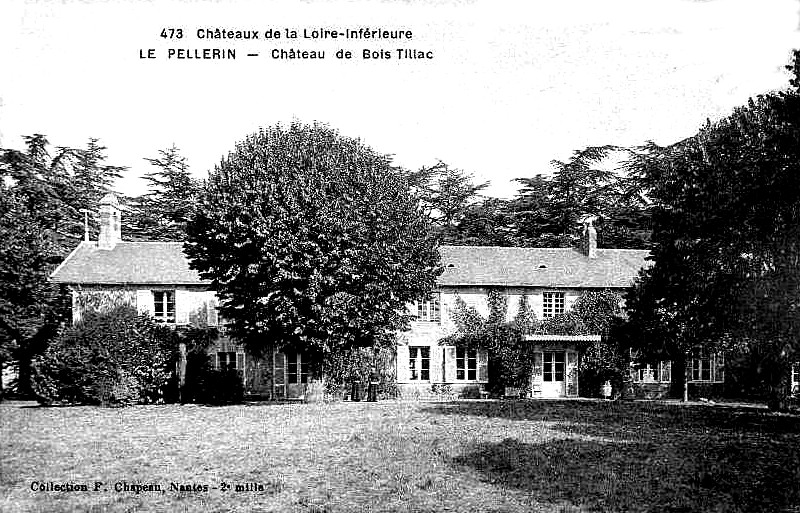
[[164, 306]]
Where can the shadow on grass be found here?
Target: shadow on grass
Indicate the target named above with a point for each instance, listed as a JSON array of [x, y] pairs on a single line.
[[642, 456], [609, 418]]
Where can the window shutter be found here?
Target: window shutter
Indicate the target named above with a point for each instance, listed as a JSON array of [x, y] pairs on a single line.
[[182, 304], [402, 364], [538, 367], [437, 364], [719, 367], [279, 374], [449, 364], [572, 374], [483, 365], [144, 302]]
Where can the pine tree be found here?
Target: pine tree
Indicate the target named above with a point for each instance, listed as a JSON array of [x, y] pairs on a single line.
[[162, 213]]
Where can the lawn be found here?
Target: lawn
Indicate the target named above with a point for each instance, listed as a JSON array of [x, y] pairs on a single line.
[[393, 456]]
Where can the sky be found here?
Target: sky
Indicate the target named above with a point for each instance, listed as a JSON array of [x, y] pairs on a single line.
[[510, 86]]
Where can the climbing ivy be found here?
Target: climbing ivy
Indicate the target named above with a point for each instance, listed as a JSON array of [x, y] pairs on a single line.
[[511, 356]]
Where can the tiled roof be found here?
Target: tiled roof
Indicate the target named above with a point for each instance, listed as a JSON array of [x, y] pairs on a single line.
[[165, 263], [539, 267], [128, 263]]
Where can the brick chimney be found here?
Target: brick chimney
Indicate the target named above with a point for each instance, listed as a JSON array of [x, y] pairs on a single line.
[[110, 221], [589, 239]]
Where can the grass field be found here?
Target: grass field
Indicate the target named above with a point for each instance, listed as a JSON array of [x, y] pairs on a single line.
[[389, 456]]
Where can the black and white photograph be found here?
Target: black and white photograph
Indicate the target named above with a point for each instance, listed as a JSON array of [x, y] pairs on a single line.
[[402, 256]]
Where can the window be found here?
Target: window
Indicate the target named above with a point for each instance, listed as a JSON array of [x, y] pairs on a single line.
[[795, 378], [707, 367], [659, 372], [429, 310], [226, 360], [164, 305], [419, 363], [296, 368], [466, 363], [553, 366], [552, 304]]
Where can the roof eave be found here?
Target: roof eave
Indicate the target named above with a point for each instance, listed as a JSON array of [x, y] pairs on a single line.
[[62, 264]]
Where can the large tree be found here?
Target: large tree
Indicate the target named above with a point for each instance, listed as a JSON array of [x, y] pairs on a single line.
[[446, 196], [549, 209], [41, 194], [162, 212], [727, 237], [312, 240]]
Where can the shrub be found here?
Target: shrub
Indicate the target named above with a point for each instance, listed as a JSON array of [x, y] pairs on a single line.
[[362, 364], [114, 358], [207, 385]]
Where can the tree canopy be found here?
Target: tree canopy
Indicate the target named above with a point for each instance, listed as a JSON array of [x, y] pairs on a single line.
[[162, 212], [312, 240], [548, 208], [726, 236], [41, 195]]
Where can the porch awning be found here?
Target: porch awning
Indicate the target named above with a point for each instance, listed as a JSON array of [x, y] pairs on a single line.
[[562, 338]]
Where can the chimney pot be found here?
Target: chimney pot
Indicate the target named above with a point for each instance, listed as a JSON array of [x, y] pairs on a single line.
[[110, 222], [589, 239]]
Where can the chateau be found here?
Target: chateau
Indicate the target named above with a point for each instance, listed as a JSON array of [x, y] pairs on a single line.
[[155, 278]]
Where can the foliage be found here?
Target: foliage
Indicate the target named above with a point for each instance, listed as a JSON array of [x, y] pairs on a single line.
[[445, 194], [594, 313], [548, 210], [567, 323], [203, 383], [207, 385], [726, 258], [598, 309], [312, 241], [362, 364], [162, 213], [487, 222], [510, 358], [111, 358], [525, 322], [40, 198]]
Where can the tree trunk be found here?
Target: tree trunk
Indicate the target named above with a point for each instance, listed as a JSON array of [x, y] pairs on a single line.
[[680, 378], [778, 388], [24, 375], [181, 370], [627, 393], [686, 378]]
